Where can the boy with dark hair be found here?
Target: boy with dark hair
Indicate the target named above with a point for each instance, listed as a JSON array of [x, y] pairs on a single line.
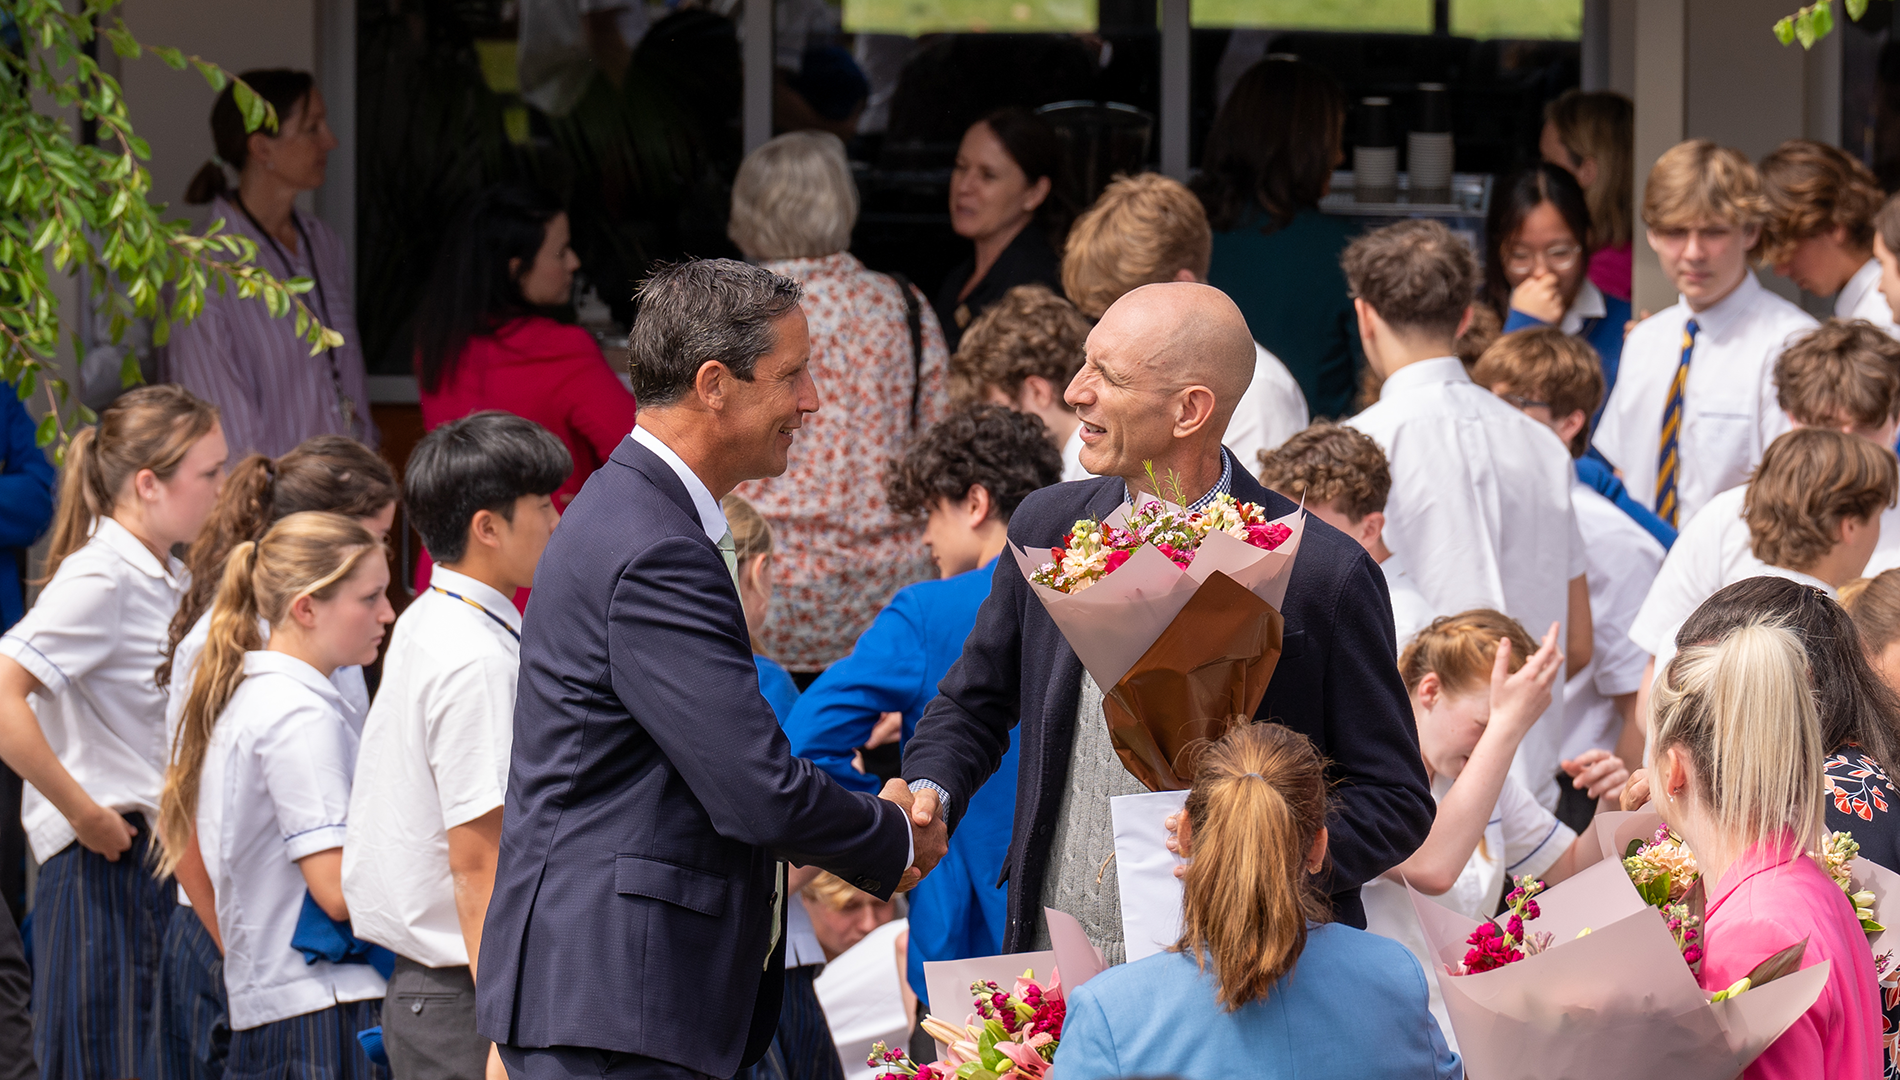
[[966, 475], [1342, 478], [1557, 380], [1480, 498], [425, 811]]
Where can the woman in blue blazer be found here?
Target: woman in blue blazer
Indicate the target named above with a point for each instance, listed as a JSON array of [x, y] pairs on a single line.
[[1260, 985]]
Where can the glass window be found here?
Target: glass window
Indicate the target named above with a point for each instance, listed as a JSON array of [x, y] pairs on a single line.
[[914, 17], [1520, 19], [1405, 16]]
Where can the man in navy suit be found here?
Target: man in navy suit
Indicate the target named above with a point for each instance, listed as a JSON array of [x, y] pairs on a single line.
[[1166, 367], [637, 923]]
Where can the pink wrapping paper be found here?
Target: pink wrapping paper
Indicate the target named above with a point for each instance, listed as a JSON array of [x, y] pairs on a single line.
[[1616, 1003]]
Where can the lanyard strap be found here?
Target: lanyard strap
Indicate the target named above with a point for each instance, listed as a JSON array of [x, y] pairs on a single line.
[[345, 403], [499, 621]]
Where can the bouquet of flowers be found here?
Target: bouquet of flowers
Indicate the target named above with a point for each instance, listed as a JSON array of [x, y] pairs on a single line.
[[1175, 613], [1014, 1034]]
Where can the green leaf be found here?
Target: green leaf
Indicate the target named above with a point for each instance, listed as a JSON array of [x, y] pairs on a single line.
[[1784, 29], [1823, 19], [173, 58], [122, 42], [87, 416], [49, 427], [249, 104], [129, 372], [213, 74], [29, 381]]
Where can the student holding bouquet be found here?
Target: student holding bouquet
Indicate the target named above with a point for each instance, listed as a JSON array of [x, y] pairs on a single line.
[[1735, 760], [1260, 965], [262, 772], [1478, 684]]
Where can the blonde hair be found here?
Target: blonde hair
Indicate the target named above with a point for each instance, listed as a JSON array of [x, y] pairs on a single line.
[[1142, 230], [832, 891], [751, 533], [1744, 713], [152, 427], [1812, 188], [1601, 124], [1256, 807], [1809, 481], [794, 198], [1461, 650], [306, 554], [1548, 365], [1697, 181]]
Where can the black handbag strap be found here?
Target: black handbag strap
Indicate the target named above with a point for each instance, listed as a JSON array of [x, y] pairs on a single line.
[[913, 318]]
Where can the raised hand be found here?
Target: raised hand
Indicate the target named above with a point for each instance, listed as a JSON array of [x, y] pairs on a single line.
[[1517, 700], [1541, 297], [1636, 792]]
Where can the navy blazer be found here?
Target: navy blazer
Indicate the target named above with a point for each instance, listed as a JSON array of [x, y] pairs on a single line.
[[650, 794], [1337, 683]]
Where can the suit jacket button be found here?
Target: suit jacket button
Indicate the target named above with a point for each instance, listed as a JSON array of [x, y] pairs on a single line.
[[870, 885]]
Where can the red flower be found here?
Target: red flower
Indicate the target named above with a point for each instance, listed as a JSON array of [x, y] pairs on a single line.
[[1268, 536], [1115, 560]]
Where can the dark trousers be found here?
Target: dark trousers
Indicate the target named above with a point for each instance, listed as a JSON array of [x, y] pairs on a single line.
[[98, 929], [578, 1062], [321, 1045], [802, 1048], [16, 1008], [193, 1020], [429, 1024]]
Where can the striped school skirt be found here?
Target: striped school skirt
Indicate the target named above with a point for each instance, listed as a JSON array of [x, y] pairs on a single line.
[[319, 1045], [98, 930], [193, 1033]]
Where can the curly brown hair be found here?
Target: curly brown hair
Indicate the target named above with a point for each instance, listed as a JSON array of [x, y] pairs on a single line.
[[1008, 452], [1330, 464], [1812, 188], [1840, 373], [1418, 276], [1809, 481], [1030, 331]]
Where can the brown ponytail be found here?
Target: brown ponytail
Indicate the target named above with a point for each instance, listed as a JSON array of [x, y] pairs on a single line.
[[152, 427], [332, 473], [1257, 805], [306, 554]]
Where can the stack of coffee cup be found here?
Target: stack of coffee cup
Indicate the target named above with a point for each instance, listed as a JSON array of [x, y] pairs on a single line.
[[1428, 149], [1375, 153]]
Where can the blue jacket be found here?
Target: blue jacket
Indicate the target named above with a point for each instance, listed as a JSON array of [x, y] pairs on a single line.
[[1605, 335], [959, 910], [777, 687], [650, 796], [1595, 472], [26, 500], [1353, 1006]]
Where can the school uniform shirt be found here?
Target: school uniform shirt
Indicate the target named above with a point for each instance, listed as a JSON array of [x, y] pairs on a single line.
[[1522, 839], [1481, 502], [1861, 298], [1272, 411], [1072, 457], [1713, 551], [1410, 610], [1623, 560], [275, 789], [348, 681], [1729, 415], [92, 640], [435, 755]]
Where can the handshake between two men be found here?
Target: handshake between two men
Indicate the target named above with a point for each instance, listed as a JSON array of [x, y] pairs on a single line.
[[928, 831]]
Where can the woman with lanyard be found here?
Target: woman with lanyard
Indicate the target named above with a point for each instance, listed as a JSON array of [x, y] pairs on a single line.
[[270, 391]]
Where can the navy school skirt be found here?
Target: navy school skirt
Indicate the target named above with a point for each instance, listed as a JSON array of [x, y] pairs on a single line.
[[319, 1045], [193, 1033], [98, 930]]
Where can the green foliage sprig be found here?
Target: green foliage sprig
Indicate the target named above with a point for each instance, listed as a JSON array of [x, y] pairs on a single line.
[[81, 207], [1814, 22]]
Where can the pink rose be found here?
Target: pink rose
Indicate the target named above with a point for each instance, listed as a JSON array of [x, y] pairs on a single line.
[[1115, 559]]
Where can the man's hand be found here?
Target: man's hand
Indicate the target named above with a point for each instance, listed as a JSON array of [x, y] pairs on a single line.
[[929, 834], [1599, 773], [1636, 792]]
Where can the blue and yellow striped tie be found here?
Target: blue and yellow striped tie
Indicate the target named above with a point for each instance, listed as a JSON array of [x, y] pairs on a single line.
[[1668, 461]]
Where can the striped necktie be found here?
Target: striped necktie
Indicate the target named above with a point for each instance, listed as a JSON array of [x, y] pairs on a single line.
[[1668, 459]]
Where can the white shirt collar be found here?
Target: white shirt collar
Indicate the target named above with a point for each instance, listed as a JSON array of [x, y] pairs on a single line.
[[1854, 293], [266, 662], [1796, 575], [490, 598], [133, 550], [1731, 309], [1589, 304], [1424, 373], [711, 518], [1072, 457]]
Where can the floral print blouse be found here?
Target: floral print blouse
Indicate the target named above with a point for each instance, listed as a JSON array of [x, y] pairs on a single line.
[[839, 553], [1861, 800]]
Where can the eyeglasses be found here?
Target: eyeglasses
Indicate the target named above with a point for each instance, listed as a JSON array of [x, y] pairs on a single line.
[[1524, 403], [1558, 257]]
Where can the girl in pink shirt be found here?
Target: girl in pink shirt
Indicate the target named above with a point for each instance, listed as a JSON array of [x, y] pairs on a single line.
[[1736, 763]]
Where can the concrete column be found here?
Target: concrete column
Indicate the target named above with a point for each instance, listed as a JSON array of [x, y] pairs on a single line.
[[756, 58], [336, 74], [1176, 87], [1661, 29]]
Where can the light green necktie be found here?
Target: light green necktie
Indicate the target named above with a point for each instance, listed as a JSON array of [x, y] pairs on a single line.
[[730, 552]]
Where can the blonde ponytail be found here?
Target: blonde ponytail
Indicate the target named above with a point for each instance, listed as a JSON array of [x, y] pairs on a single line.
[[305, 554], [152, 427], [1744, 713], [1257, 805]]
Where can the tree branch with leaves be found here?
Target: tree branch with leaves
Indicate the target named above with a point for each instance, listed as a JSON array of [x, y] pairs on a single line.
[[81, 206], [1814, 22]]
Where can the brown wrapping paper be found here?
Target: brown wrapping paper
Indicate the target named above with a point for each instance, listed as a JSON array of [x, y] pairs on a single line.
[[1207, 671]]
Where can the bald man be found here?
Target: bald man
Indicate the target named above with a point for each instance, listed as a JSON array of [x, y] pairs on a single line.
[[1166, 366]]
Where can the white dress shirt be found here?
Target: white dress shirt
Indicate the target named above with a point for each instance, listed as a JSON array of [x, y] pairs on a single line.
[[1589, 304], [349, 681], [1713, 551], [1072, 457], [92, 640], [1410, 610], [275, 789], [1730, 414], [1272, 411], [1623, 559], [435, 756], [1480, 507], [1861, 298]]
